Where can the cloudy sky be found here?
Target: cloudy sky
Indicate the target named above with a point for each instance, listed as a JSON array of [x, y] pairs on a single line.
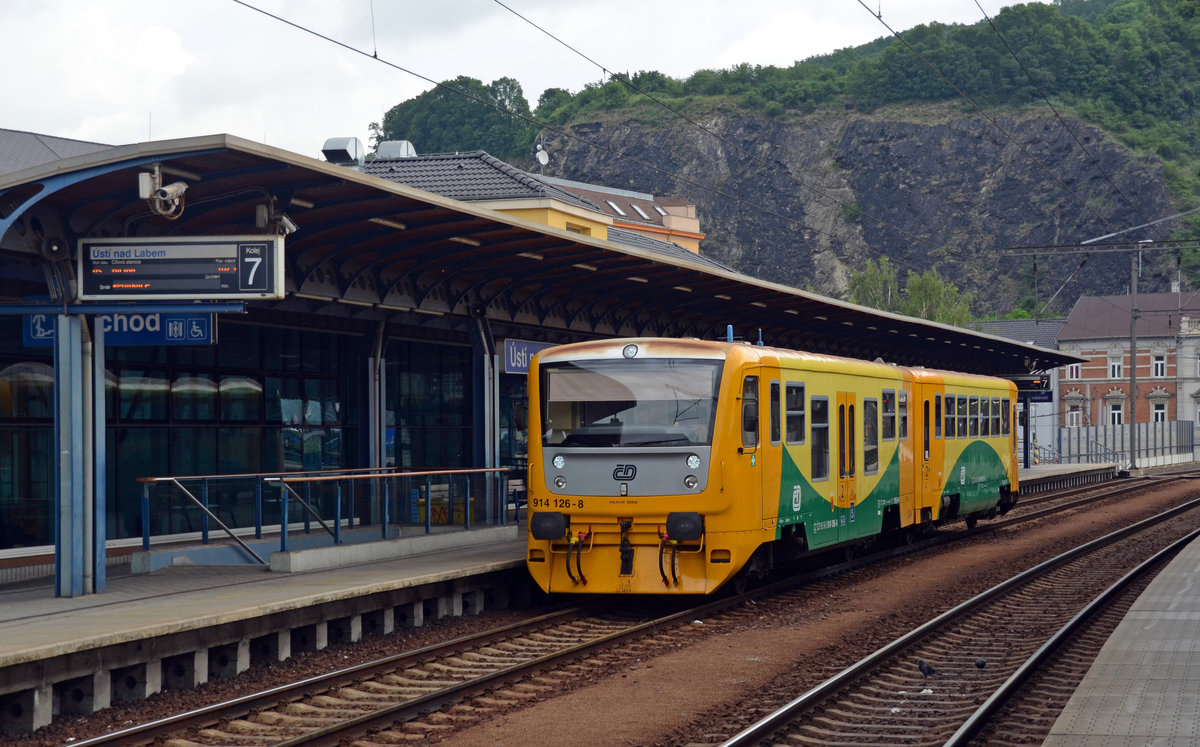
[[121, 71]]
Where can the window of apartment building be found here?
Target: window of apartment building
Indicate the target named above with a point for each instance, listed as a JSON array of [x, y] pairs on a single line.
[[1158, 366], [1160, 412], [1116, 413], [1074, 417], [1116, 368], [1075, 371]]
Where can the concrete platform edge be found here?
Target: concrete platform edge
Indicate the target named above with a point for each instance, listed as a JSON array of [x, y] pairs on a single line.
[[323, 558]]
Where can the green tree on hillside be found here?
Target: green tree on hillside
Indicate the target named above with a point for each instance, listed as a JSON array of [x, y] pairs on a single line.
[[493, 117], [876, 286], [926, 295]]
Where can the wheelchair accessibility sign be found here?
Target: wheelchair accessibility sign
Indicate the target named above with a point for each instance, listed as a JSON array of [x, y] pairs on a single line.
[[132, 329]]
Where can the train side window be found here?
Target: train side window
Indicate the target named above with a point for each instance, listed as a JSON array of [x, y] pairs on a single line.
[[925, 429], [750, 412], [996, 417], [937, 416], [1005, 417], [775, 413], [973, 414], [961, 417], [950, 417], [793, 402], [985, 417], [819, 407], [889, 415], [870, 436], [903, 415]]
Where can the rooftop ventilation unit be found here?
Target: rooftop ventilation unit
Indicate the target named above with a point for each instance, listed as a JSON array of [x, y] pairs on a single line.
[[344, 151], [396, 149]]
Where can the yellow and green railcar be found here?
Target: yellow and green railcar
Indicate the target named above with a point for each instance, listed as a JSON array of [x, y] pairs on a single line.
[[676, 466]]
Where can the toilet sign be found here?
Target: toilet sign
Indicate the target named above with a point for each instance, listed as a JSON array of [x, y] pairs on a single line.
[[132, 329]]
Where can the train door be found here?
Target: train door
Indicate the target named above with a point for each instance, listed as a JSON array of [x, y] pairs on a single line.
[[847, 447], [932, 448], [769, 453]]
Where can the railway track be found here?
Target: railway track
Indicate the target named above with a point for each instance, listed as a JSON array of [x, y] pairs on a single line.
[[422, 692], [494, 669], [988, 666]]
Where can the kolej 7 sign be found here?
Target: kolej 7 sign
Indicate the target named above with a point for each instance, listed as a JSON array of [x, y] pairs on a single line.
[[168, 268]]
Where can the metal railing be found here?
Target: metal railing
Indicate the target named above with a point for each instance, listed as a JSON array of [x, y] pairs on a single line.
[[336, 500]]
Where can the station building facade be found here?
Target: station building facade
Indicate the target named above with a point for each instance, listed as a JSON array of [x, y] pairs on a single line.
[[408, 310]]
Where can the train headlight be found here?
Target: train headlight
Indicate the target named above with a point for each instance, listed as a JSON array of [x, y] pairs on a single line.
[[690, 482], [560, 482], [693, 461], [559, 461]]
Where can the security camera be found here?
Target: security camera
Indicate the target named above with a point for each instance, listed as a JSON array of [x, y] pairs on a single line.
[[286, 224], [171, 191]]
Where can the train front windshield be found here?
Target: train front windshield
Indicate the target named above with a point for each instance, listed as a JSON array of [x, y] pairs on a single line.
[[629, 403]]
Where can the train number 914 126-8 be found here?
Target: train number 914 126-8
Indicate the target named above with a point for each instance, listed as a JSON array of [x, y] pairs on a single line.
[[556, 503]]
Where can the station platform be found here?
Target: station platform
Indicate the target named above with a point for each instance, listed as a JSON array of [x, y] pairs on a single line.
[[1144, 686], [1044, 477], [182, 625]]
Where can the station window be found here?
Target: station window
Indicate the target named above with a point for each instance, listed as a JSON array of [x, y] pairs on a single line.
[[974, 417], [985, 417], [793, 401], [870, 436], [889, 415], [937, 416], [819, 407], [961, 417]]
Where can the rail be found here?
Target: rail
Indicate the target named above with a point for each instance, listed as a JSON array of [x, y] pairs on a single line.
[[334, 500]]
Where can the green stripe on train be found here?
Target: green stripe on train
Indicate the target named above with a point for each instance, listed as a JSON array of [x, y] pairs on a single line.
[[800, 502], [976, 478]]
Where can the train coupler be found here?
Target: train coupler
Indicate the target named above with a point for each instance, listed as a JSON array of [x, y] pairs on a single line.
[[576, 542], [663, 541], [626, 550]]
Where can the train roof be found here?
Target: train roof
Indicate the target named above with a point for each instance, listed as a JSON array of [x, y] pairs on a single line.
[[694, 348]]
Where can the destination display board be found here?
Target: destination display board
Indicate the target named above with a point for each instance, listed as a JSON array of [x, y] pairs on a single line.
[[168, 268]]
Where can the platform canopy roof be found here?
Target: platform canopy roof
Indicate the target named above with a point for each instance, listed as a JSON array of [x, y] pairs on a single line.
[[372, 249]]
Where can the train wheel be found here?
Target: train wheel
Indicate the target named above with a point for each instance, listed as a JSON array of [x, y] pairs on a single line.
[[972, 521], [742, 582]]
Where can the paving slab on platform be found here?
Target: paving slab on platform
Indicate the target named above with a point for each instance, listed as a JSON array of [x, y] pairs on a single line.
[[1144, 687]]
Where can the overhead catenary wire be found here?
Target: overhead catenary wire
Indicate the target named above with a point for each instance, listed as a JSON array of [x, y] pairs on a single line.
[[556, 130], [990, 119], [626, 81], [1041, 92]]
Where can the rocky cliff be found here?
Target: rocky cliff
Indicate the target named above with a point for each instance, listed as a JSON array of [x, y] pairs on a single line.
[[806, 201]]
